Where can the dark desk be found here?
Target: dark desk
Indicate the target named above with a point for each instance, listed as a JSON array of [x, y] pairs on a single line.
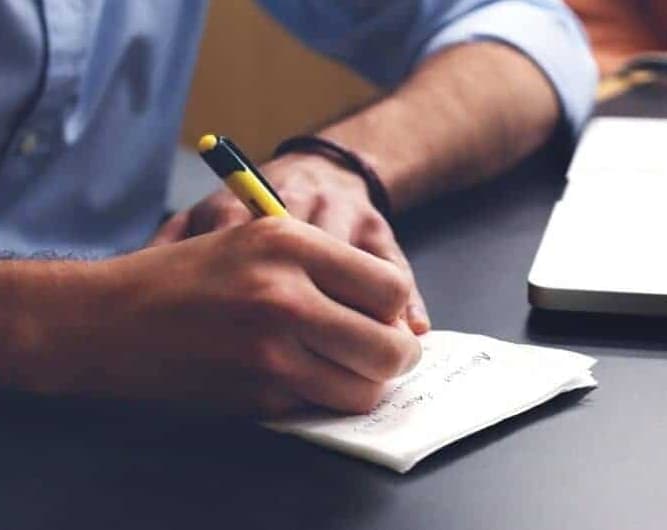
[[583, 461]]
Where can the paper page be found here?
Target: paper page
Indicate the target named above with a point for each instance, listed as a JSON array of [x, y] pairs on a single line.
[[463, 384]]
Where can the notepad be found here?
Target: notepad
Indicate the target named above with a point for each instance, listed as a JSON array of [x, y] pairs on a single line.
[[464, 383]]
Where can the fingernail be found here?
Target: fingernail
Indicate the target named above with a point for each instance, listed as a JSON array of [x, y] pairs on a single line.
[[418, 319]]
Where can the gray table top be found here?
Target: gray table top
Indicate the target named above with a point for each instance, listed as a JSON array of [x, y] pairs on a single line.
[[585, 460]]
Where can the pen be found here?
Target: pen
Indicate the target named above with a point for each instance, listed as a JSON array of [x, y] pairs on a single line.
[[241, 176]]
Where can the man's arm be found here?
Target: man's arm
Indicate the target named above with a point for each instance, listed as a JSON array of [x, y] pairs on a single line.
[[467, 113], [260, 319], [484, 84], [472, 72]]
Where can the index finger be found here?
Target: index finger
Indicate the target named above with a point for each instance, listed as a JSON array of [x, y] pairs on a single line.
[[354, 277], [384, 245]]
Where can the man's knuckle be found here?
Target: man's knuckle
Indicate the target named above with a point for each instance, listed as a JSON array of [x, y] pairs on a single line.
[[253, 294], [290, 303], [294, 197], [323, 200], [231, 213], [397, 290], [263, 236], [283, 300], [374, 223], [390, 363], [273, 362], [267, 225], [278, 235]]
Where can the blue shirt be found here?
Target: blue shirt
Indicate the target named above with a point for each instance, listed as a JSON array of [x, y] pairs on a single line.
[[93, 93]]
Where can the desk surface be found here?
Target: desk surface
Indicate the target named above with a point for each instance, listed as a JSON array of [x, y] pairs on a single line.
[[585, 461]]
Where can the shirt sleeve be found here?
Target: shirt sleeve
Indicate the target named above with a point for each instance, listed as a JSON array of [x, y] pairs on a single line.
[[385, 39]]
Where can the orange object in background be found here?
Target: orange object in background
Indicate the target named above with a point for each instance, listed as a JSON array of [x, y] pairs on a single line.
[[621, 29]]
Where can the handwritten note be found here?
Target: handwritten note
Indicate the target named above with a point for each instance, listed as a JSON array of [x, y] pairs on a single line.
[[464, 383]]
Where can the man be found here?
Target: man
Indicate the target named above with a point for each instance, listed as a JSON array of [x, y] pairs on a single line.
[[273, 314]]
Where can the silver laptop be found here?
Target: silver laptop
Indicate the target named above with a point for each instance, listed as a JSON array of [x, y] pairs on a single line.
[[605, 246]]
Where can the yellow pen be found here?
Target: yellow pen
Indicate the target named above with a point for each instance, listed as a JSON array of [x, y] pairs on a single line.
[[241, 176]]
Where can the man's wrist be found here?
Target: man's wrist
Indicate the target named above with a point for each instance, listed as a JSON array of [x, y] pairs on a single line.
[[346, 159]]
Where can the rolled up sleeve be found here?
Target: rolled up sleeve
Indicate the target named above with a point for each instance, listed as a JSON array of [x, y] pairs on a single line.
[[385, 39], [547, 33]]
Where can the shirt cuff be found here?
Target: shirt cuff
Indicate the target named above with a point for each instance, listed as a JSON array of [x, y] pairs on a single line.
[[552, 38]]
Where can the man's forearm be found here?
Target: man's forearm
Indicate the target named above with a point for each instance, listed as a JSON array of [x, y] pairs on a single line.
[[44, 307], [465, 114]]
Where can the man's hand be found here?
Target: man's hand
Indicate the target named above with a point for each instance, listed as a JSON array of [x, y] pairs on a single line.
[[321, 193], [262, 318]]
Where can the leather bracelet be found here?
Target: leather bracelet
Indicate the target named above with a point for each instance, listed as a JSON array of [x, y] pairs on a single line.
[[344, 158]]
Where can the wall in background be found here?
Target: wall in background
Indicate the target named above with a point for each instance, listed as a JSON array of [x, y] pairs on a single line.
[[257, 84]]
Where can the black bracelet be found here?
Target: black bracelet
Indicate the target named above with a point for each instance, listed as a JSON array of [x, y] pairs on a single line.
[[344, 158]]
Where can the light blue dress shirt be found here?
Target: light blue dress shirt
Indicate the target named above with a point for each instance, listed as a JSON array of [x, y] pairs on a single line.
[[92, 94]]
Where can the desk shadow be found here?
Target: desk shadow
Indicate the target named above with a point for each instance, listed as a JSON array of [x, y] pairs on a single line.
[[150, 468], [105, 465], [621, 335], [536, 181], [489, 436]]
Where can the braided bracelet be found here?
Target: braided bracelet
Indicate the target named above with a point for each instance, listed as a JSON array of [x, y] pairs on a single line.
[[344, 158]]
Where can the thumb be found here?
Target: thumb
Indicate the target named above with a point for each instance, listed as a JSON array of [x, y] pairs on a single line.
[[173, 230]]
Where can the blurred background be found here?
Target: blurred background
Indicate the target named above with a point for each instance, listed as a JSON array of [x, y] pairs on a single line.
[[622, 29], [269, 86]]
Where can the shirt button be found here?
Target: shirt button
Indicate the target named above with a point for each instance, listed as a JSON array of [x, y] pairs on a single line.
[[28, 144]]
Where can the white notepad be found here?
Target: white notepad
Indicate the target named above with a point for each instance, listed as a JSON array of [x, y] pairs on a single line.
[[463, 384]]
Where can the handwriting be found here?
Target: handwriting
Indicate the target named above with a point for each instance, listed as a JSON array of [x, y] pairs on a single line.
[[424, 385]]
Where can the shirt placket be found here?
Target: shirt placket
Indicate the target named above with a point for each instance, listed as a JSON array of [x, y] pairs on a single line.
[[40, 133]]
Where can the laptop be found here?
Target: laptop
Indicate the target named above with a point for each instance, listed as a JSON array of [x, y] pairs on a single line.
[[605, 246]]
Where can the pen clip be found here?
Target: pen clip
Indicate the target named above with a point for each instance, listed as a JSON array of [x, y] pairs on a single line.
[[238, 154]]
